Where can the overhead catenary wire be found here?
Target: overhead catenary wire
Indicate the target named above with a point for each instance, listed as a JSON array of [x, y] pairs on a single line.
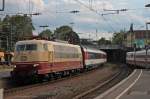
[[108, 24], [131, 19], [118, 11], [90, 7], [117, 19], [93, 10], [81, 3], [96, 11]]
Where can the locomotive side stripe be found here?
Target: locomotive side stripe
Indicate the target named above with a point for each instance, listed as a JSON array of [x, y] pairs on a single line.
[[55, 61], [45, 67], [31, 62], [61, 66]]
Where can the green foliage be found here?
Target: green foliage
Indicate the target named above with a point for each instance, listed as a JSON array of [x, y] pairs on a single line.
[[0, 25], [118, 38], [46, 34], [103, 41], [2, 50], [13, 29], [21, 26], [62, 31], [67, 34]]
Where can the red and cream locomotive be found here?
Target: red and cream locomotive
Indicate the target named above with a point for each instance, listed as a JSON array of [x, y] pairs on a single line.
[[42, 58]]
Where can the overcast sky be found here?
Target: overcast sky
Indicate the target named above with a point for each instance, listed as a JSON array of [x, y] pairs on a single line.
[[87, 22]]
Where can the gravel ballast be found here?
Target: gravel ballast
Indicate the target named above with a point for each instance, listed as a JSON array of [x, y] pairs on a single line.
[[67, 89]]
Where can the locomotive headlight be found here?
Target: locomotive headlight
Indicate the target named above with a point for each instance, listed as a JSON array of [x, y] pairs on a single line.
[[14, 66], [35, 65]]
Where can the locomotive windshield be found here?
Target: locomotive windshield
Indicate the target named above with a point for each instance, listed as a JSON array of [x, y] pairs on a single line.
[[26, 47]]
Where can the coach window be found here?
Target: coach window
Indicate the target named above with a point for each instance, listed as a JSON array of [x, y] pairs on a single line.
[[132, 55]]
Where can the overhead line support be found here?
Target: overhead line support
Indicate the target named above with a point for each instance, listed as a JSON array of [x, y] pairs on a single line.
[[3, 5]]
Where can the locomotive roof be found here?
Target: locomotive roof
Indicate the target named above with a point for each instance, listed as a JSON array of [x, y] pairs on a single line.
[[29, 41], [45, 41]]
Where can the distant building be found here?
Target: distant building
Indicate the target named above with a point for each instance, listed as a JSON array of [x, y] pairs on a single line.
[[140, 38]]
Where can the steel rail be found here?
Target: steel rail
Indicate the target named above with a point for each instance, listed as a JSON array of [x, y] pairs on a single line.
[[11, 91], [101, 85]]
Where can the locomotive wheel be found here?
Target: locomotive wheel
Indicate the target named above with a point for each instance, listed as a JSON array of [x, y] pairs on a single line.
[[35, 79]]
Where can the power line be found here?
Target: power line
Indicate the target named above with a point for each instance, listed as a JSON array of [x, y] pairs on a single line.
[[108, 23], [81, 3], [93, 10], [117, 11], [31, 14]]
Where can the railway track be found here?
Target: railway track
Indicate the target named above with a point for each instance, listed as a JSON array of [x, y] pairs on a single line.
[[86, 95], [97, 90], [17, 90]]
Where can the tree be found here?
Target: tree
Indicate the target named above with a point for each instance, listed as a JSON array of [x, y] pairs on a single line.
[[21, 26], [6, 24], [0, 25], [46, 34], [60, 33], [103, 41], [15, 28], [118, 38], [67, 34]]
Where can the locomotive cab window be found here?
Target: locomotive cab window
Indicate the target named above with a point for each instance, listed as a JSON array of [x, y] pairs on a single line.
[[20, 47], [31, 47], [26, 47]]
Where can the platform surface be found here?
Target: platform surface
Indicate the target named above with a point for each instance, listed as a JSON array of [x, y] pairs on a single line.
[[136, 86]]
